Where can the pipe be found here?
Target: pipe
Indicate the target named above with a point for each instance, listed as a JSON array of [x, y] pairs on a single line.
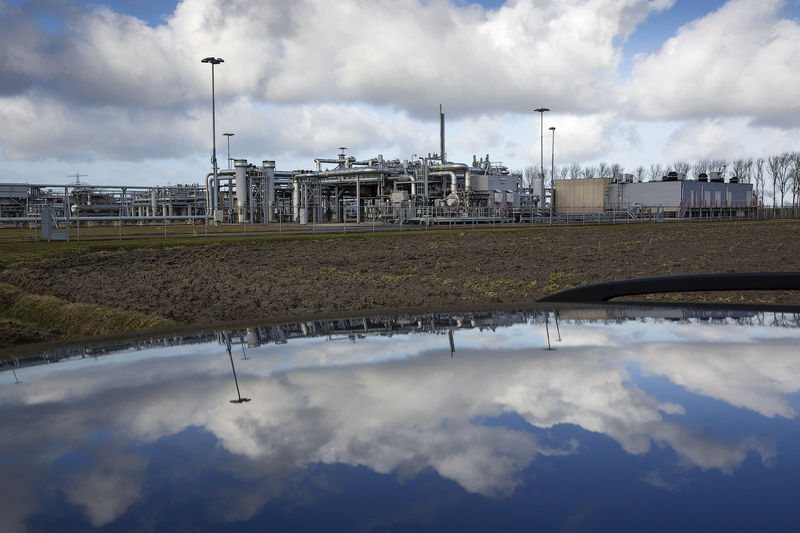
[[453, 178], [411, 177], [441, 134], [296, 200], [348, 172], [458, 167], [110, 218]]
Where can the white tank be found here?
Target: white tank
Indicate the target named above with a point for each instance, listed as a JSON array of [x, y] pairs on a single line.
[[240, 166]]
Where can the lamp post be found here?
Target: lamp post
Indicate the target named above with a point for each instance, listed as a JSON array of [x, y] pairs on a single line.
[[553, 177], [214, 61], [541, 111], [229, 135]]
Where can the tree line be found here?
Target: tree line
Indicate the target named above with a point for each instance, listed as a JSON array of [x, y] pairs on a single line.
[[776, 177]]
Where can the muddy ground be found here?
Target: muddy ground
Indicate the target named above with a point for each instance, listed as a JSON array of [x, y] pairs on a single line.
[[277, 280]]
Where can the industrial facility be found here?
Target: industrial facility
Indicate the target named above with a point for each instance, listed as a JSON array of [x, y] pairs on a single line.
[[343, 188], [674, 196], [417, 190]]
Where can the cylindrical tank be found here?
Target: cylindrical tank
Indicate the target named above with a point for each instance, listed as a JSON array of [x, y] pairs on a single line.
[[269, 189], [240, 168], [296, 200]]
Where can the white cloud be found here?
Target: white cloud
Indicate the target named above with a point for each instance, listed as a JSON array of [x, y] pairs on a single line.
[[106, 85], [740, 60], [707, 139]]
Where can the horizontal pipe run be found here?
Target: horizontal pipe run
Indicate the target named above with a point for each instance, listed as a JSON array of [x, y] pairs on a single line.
[[110, 218]]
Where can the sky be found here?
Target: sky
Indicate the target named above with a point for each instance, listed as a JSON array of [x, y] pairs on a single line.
[[116, 91]]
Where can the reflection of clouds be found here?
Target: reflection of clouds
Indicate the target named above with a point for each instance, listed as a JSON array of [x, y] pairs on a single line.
[[109, 488], [17, 485], [706, 453], [339, 402], [757, 377]]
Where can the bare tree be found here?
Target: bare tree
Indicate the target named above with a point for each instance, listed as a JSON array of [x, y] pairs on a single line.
[[777, 170], [741, 168], [759, 177], [655, 172], [794, 177], [563, 172], [530, 173], [603, 170], [574, 171], [589, 172], [639, 173], [682, 167], [719, 165], [701, 167], [617, 170], [784, 182]]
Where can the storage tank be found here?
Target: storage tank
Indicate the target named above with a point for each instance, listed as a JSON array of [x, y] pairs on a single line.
[[240, 167]]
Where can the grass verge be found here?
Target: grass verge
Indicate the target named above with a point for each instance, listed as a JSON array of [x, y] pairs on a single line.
[[46, 317]]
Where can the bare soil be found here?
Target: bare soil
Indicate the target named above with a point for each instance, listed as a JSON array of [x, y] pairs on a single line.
[[281, 279]]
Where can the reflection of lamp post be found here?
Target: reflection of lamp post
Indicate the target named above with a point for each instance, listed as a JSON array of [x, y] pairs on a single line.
[[555, 315], [452, 343], [229, 135], [244, 354], [235, 379], [213, 61]]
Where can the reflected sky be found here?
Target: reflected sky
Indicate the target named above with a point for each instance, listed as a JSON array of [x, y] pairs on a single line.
[[621, 423]]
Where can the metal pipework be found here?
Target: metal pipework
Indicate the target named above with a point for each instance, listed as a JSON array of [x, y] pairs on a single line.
[[453, 178], [457, 167], [411, 177], [349, 172], [212, 192]]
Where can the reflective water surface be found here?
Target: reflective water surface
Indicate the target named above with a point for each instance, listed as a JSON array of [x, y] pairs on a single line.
[[634, 419]]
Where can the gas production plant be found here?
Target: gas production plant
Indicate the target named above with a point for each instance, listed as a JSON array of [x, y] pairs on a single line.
[[338, 189], [422, 190], [418, 190]]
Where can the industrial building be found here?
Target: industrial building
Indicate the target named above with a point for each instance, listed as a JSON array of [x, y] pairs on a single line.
[[673, 196]]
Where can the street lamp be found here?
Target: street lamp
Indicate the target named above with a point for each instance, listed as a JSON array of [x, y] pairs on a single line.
[[541, 111], [552, 182], [213, 61], [229, 135]]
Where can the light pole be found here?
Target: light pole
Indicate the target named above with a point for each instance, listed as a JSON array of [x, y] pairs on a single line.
[[541, 111], [214, 61], [553, 177], [229, 135]]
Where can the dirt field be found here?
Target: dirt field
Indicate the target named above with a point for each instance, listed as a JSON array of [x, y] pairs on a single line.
[[278, 280]]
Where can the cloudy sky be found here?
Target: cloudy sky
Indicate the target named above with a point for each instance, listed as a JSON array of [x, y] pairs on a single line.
[[115, 90]]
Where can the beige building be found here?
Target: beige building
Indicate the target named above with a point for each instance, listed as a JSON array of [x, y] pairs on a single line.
[[581, 196]]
